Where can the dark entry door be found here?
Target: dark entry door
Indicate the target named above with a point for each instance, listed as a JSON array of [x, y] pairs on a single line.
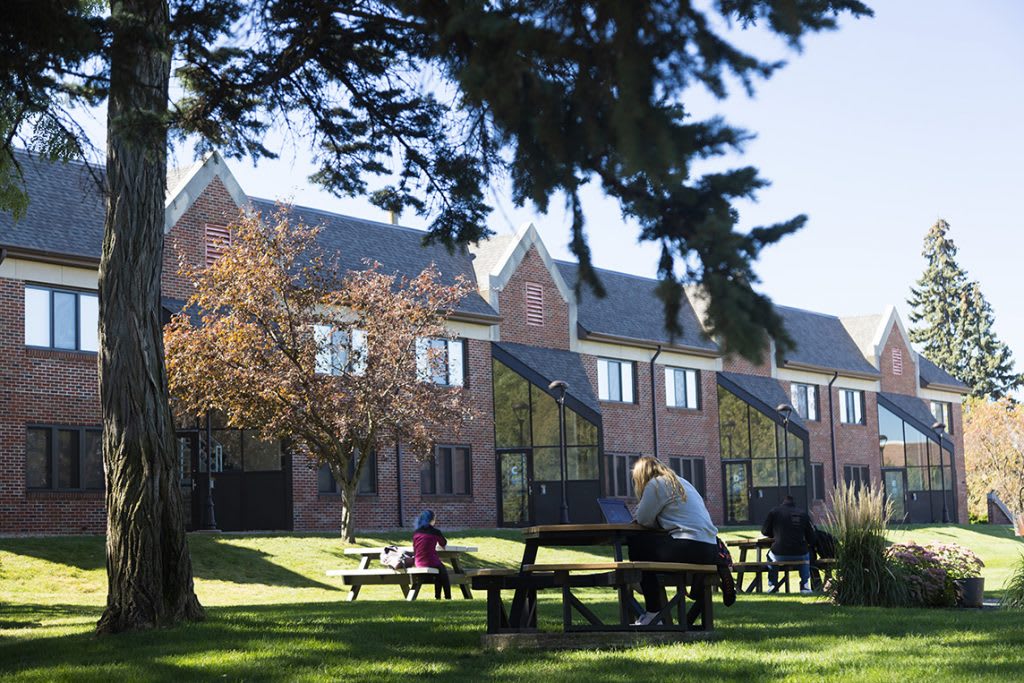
[[737, 492], [919, 507], [187, 444], [896, 491], [515, 503]]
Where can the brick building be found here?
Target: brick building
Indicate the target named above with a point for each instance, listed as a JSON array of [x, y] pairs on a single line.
[[863, 401]]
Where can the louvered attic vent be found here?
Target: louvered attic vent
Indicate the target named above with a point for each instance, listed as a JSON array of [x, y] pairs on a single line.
[[897, 361], [534, 304], [218, 238]]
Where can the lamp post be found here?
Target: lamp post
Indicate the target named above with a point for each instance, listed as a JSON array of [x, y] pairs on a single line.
[[938, 428], [211, 518], [785, 410], [561, 387], [882, 440]]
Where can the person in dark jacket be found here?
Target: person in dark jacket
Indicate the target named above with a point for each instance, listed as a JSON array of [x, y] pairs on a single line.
[[425, 541], [793, 536]]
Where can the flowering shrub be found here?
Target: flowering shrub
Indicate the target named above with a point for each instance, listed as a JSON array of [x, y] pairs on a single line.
[[929, 571]]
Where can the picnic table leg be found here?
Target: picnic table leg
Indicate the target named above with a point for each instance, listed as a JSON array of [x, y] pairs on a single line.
[[457, 571], [625, 602], [739, 574], [522, 600], [353, 592], [414, 592]]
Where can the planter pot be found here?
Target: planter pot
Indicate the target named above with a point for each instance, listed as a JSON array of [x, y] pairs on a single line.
[[970, 592]]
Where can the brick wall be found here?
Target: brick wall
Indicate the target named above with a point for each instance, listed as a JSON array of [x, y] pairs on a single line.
[[317, 512], [187, 239], [41, 387], [899, 371], [554, 333], [743, 366]]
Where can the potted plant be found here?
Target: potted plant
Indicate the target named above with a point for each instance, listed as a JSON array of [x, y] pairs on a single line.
[[963, 568]]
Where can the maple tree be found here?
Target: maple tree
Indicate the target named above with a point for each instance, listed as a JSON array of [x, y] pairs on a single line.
[[994, 454], [282, 340]]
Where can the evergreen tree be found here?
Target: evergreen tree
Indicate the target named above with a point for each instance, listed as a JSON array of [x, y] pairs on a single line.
[[953, 321], [988, 366]]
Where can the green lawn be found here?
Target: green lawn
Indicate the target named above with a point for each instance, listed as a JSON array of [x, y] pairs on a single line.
[[272, 614]]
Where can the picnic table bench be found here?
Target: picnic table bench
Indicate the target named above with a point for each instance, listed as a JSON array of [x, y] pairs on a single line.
[[409, 580], [520, 617], [760, 566]]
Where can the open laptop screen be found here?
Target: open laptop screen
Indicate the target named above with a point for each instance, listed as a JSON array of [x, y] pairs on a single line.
[[615, 510]]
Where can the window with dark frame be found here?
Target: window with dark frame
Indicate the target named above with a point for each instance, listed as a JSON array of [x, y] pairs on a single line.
[[817, 481], [682, 388], [858, 476], [63, 458], [447, 472], [620, 474], [367, 481], [64, 320], [805, 400], [690, 469], [616, 380], [851, 406]]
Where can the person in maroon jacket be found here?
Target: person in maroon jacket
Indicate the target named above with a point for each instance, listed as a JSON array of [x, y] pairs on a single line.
[[425, 541]]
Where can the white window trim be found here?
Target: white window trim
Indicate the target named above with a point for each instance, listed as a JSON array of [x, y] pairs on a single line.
[[626, 380], [340, 351], [812, 399], [858, 406], [691, 383], [454, 361]]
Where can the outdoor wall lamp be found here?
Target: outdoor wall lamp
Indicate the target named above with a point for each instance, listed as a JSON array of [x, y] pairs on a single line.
[[561, 387]]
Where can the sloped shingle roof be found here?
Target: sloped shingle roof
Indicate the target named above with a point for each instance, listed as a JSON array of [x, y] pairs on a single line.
[[766, 390], [632, 310], [398, 249], [822, 341], [65, 212], [552, 364], [933, 374]]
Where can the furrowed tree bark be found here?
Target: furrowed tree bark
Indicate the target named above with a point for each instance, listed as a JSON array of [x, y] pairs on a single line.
[[348, 488], [149, 570]]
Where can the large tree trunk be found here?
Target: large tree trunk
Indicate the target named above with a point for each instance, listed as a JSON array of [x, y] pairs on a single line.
[[149, 570]]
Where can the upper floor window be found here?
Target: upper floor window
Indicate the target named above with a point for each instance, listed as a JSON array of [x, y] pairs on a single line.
[[447, 472], [682, 388], [690, 469], [851, 406], [943, 413], [805, 400], [60, 319], [615, 380], [339, 351], [534, 304], [857, 476], [441, 361], [64, 458]]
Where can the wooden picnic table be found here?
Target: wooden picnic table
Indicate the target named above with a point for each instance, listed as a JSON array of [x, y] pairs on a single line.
[[620, 575], [409, 580], [759, 545]]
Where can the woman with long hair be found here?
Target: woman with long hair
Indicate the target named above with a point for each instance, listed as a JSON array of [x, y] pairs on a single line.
[[425, 540], [669, 502]]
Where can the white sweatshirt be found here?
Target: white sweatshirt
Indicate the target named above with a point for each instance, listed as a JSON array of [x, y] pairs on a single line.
[[660, 507]]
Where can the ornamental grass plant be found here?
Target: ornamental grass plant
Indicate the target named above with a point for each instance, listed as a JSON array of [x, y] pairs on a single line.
[[1013, 589], [863, 574]]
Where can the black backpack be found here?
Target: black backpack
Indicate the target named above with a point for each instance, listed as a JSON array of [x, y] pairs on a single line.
[[824, 544]]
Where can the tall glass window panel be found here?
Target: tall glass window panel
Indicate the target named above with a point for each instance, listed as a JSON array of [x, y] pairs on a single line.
[[545, 419], [260, 456], [68, 472], [797, 471], [511, 407], [88, 322], [92, 452], [546, 465], [917, 450], [578, 430], [805, 400], [227, 450], [732, 424], [765, 473], [917, 478], [37, 317], [582, 463], [762, 436], [65, 320], [681, 388], [891, 428], [37, 459]]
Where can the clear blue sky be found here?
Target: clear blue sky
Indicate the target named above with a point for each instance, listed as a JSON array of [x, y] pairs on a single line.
[[874, 131]]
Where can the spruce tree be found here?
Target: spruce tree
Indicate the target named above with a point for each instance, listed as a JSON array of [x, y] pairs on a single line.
[[953, 321], [988, 368]]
